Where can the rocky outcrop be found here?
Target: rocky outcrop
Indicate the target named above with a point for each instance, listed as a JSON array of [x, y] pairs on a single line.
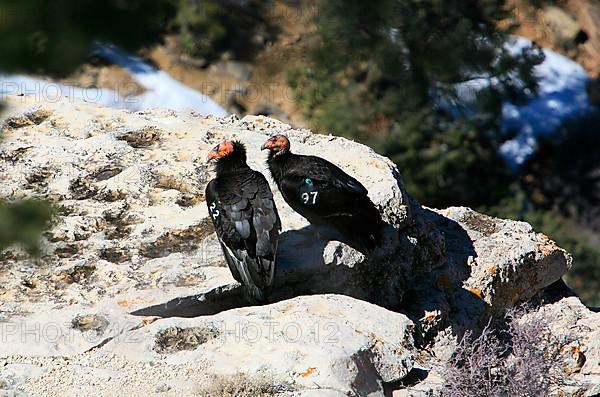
[[570, 28], [558, 325], [587, 14], [132, 293]]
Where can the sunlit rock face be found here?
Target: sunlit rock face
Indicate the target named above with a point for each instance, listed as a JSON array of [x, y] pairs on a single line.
[[132, 292]]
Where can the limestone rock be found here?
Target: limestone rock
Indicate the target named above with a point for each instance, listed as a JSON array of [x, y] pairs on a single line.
[[132, 292], [580, 328], [510, 261], [130, 187], [492, 264], [560, 24], [334, 341]]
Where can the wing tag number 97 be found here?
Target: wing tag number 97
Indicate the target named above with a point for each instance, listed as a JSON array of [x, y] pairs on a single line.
[[310, 197]]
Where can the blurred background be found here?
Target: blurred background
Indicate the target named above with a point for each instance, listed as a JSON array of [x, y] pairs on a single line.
[[489, 104]]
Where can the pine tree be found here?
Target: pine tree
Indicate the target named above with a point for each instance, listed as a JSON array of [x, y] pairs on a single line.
[[53, 37], [375, 69]]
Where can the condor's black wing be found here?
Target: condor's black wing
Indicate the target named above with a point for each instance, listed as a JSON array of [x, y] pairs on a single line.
[[325, 195], [247, 224], [265, 227], [315, 185], [228, 237], [322, 171]]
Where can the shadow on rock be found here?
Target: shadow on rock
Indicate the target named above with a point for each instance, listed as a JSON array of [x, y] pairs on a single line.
[[300, 255], [438, 299], [214, 301], [308, 265]]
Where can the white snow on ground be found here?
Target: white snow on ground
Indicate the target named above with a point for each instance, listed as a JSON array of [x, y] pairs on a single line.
[[561, 97], [162, 90]]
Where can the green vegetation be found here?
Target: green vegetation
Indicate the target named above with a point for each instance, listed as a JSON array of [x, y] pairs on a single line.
[[54, 37], [370, 74], [208, 28], [201, 27], [21, 223]]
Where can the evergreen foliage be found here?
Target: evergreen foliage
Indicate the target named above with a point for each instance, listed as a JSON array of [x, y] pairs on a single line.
[[53, 37], [21, 222], [375, 71]]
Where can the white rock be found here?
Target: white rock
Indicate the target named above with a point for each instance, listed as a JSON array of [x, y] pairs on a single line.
[[133, 236]]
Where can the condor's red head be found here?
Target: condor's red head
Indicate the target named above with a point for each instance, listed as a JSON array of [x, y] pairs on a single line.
[[223, 149], [277, 145], [231, 152]]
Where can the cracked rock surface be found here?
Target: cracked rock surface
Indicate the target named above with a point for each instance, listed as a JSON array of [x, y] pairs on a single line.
[[132, 296]]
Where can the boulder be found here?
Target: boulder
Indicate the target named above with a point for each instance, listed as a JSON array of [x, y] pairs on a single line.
[[555, 321], [328, 342], [587, 14], [579, 328], [130, 188], [132, 295]]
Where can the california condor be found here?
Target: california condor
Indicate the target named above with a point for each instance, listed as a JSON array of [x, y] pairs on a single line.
[[325, 195], [240, 204]]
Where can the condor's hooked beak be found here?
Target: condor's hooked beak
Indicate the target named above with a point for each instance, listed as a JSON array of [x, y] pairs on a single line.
[[213, 154], [269, 144], [272, 143]]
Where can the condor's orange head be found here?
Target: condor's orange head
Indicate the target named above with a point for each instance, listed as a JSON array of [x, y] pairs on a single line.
[[222, 150], [277, 144]]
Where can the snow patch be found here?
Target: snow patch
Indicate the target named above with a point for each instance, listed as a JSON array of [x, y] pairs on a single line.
[[162, 90], [561, 97]]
